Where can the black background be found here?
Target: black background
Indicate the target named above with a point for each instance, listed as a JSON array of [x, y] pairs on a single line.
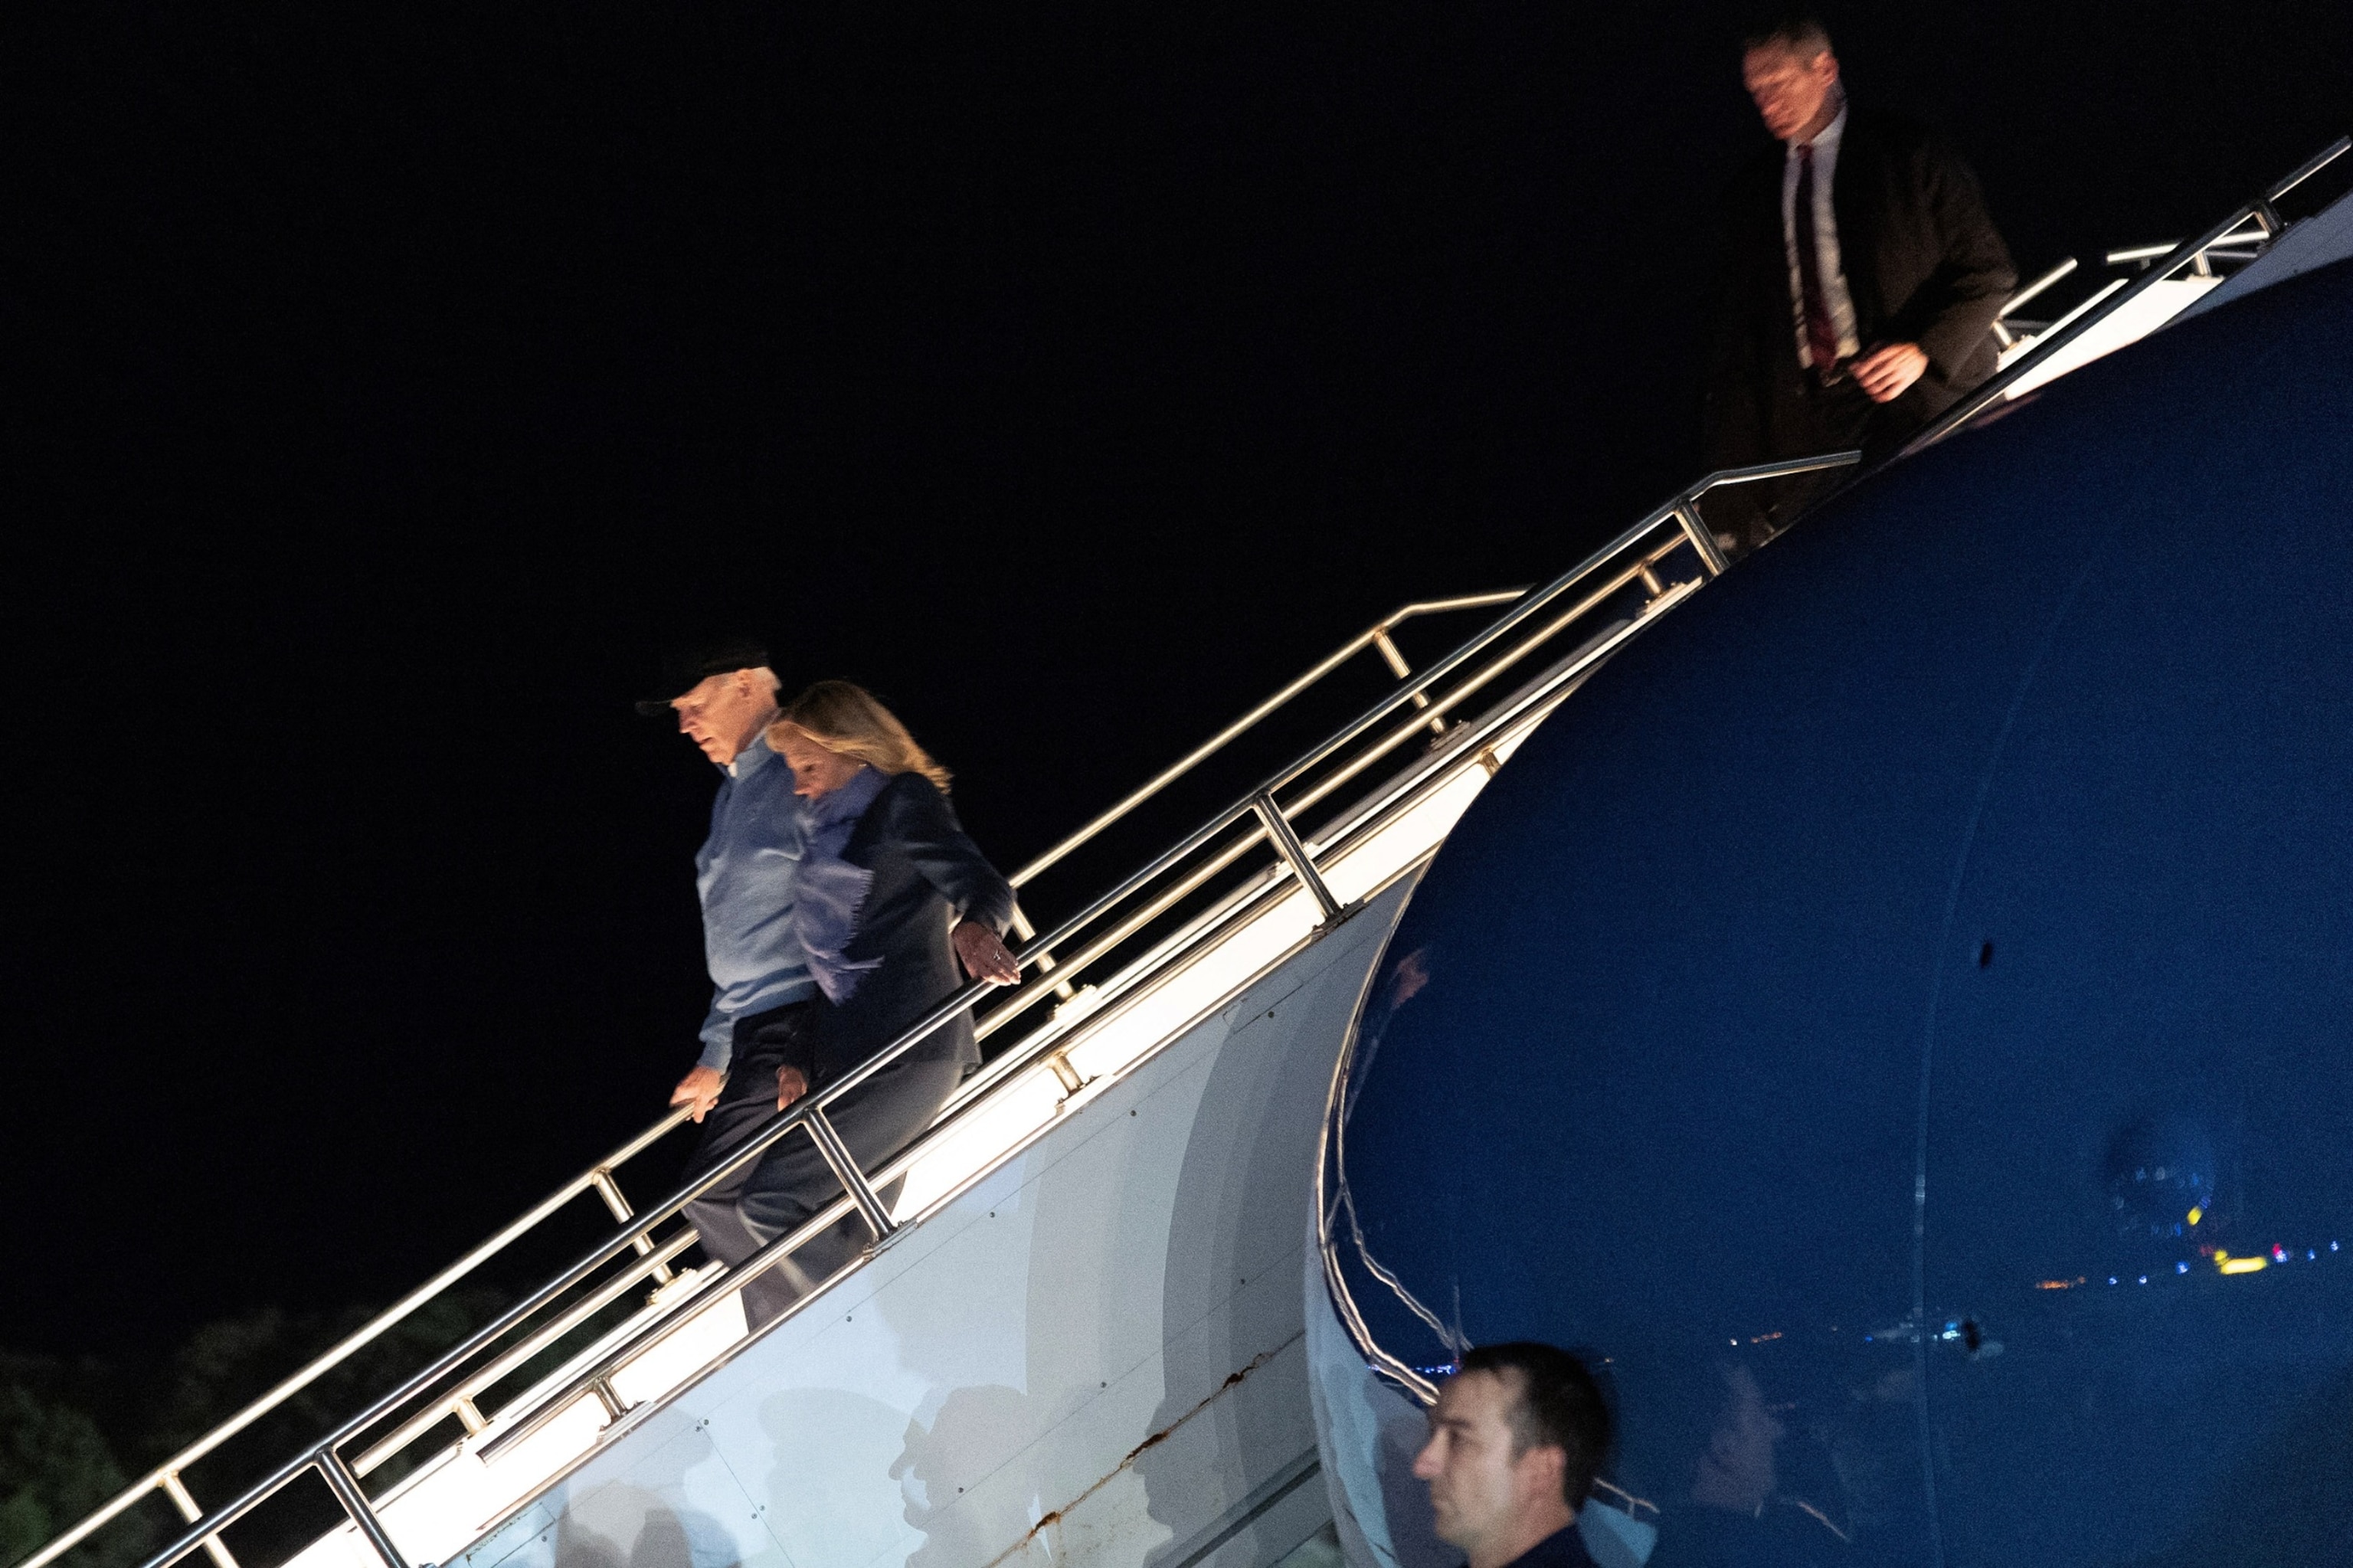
[[386, 390]]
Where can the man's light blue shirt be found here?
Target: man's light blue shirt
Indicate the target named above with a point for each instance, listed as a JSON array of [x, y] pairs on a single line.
[[744, 874]]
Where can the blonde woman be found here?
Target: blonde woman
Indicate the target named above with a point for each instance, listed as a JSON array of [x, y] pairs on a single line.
[[894, 907]]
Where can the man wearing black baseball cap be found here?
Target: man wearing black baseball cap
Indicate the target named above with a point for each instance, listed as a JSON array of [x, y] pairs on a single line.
[[723, 695]]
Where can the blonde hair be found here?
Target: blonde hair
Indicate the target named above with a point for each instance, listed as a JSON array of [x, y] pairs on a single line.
[[846, 719]]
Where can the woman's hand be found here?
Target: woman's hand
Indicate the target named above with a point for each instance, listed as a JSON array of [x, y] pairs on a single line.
[[791, 1085], [986, 958]]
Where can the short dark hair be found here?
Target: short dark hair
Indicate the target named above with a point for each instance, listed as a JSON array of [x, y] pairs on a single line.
[[1556, 1403], [1799, 32]]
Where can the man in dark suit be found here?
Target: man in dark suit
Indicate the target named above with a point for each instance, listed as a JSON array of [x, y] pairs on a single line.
[[1862, 276]]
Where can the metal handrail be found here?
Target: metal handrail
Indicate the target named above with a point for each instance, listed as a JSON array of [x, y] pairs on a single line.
[[2129, 254], [1373, 636], [324, 1455], [2260, 211], [165, 1476], [2036, 286], [516, 1355]]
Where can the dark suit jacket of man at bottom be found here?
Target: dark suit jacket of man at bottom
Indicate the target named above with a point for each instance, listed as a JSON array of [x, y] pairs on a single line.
[[1923, 262], [1564, 1548], [927, 873]]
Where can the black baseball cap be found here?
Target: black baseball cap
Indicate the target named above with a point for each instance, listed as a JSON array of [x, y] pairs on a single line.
[[688, 667]]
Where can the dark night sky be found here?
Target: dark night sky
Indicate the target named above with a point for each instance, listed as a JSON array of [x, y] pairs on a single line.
[[384, 392]]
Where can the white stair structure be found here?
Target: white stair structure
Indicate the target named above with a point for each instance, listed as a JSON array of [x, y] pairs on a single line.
[[1083, 1336]]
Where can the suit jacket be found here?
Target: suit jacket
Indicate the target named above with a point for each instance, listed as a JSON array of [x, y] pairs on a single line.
[[1564, 1548], [928, 875], [1923, 264]]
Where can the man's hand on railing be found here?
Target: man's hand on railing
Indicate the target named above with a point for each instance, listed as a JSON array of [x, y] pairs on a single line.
[[699, 1091], [986, 957], [791, 1085]]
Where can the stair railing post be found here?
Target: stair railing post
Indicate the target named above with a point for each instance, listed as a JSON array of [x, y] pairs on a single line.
[[1387, 649], [1288, 844], [1702, 538], [1026, 931], [610, 1191], [346, 1488], [184, 1501], [853, 1180]]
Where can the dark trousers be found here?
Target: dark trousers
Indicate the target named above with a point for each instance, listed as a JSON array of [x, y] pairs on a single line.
[[1812, 419], [778, 1193]]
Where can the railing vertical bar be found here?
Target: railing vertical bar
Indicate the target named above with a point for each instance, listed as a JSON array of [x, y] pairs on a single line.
[[1402, 671], [1045, 960], [346, 1488], [181, 1498], [845, 1171], [1703, 538], [610, 1191], [1288, 844]]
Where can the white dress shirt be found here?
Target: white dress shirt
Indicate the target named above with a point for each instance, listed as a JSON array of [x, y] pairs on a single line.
[[1827, 264]]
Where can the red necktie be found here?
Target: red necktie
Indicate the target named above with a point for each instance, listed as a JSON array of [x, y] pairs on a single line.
[[1821, 337]]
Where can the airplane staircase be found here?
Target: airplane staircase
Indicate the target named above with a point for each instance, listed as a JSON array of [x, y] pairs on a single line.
[[1078, 1336]]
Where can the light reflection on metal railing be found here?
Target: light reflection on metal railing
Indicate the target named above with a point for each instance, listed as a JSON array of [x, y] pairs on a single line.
[[1374, 636]]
